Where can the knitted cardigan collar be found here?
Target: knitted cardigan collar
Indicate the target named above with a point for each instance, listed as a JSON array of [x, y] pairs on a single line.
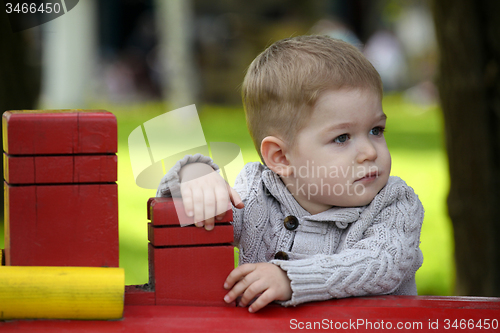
[[341, 216]]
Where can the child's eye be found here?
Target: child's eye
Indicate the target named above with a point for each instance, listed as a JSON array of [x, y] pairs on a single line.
[[377, 131], [341, 138]]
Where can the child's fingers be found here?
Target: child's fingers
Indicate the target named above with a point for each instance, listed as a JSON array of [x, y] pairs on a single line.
[[235, 198], [241, 288], [238, 289], [237, 274], [207, 197], [263, 300], [238, 281], [209, 201], [222, 199], [252, 290], [198, 207], [187, 199]]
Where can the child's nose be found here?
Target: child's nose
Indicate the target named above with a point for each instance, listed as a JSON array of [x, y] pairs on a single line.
[[366, 151]]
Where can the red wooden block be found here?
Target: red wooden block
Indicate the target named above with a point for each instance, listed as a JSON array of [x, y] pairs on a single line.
[[151, 267], [148, 209], [19, 170], [191, 275], [60, 169], [55, 132], [97, 131], [61, 225], [139, 295], [162, 211], [190, 235]]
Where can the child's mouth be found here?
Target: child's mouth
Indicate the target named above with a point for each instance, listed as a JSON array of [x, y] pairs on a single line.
[[369, 177]]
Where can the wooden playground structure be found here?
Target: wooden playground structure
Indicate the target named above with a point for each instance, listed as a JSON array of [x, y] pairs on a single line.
[[60, 269]]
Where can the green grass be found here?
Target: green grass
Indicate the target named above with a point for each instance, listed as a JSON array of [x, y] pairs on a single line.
[[414, 137]]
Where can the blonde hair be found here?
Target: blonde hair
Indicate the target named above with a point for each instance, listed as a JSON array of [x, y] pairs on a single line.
[[283, 83]]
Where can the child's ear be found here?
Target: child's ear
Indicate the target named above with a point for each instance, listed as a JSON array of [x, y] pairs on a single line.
[[274, 152]]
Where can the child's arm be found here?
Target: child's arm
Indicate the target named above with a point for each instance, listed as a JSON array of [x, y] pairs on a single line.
[[250, 280], [381, 253]]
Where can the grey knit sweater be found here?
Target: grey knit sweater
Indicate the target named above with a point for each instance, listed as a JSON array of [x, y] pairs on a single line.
[[341, 252]]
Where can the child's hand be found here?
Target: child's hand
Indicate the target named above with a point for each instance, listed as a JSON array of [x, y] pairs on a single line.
[[205, 194], [250, 280]]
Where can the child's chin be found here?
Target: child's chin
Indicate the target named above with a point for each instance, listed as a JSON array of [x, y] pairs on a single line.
[[366, 202], [358, 201]]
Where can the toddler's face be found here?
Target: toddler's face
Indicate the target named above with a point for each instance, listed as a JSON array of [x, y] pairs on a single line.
[[340, 158]]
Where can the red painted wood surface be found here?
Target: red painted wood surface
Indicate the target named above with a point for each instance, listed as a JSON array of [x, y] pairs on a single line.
[[190, 235], [139, 295], [60, 169], [59, 132], [61, 225], [161, 211], [354, 314], [192, 275]]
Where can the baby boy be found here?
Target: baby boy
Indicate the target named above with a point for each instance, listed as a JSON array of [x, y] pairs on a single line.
[[321, 218]]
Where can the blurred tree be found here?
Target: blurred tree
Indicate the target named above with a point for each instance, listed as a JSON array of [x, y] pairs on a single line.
[[468, 34], [69, 58], [175, 22], [19, 71]]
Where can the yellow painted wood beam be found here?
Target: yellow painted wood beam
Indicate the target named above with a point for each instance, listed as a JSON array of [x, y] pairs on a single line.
[[61, 292]]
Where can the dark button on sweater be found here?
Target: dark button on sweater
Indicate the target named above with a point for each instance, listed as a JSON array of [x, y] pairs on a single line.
[[281, 255], [291, 223]]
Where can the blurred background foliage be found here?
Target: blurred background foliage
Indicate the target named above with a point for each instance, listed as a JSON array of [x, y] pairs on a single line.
[[117, 55]]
